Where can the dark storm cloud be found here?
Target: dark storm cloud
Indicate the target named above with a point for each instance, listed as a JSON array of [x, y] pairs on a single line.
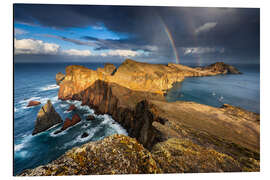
[[234, 29]]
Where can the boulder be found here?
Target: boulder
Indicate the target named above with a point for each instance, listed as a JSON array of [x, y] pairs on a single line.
[[84, 135], [59, 78], [90, 118], [71, 108], [33, 103], [46, 118]]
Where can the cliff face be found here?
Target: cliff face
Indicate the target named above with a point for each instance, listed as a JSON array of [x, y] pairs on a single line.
[[155, 78]]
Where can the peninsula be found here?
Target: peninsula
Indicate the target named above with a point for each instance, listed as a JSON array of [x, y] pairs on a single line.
[[164, 137]]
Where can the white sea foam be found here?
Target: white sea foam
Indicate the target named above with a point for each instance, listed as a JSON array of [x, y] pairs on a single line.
[[78, 139], [112, 123], [49, 87], [19, 147]]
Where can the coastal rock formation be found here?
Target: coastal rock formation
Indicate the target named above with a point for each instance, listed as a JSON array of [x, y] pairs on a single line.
[[117, 154], [182, 136], [59, 78], [46, 118], [155, 78], [220, 67], [71, 122], [108, 69], [150, 119], [33, 103], [71, 108], [183, 156]]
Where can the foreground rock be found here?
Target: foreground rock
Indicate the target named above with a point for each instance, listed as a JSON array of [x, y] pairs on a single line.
[[119, 154], [33, 103], [59, 78], [154, 78], [46, 118]]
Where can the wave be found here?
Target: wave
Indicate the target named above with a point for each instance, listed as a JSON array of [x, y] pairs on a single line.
[[49, 87], [113, 124], [25, 140], [78, 139]]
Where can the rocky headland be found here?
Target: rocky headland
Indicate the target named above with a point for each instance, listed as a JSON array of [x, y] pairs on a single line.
[[175, 137]]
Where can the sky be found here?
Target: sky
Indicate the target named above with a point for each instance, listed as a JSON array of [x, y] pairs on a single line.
[[91, 33]]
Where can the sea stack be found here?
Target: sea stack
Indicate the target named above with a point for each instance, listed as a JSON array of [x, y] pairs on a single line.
[[46, 118]]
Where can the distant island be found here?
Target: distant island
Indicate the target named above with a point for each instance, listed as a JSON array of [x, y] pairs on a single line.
[[164, 137]]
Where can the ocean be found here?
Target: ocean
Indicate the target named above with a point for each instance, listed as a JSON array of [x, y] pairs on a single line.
[[36, 81], [241, 90]]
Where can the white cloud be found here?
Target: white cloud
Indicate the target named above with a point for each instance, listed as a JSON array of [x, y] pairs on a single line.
[[31, 46], [18, 31], [151, 48], [75, 52], [121, 52], [205, 27], [201, 50]]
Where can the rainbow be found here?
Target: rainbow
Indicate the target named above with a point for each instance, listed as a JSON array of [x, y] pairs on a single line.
[[169, 34]]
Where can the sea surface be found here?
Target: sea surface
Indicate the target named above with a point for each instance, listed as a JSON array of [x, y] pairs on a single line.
[[241, 90], [37, 82]]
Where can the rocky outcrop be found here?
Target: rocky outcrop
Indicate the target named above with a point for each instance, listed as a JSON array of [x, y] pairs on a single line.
[[71, 122], [109, 69], [183, 156], [59, 78], [33, 103], [220, 67], [119, 154], [46, 118], [71, 107], [155, 78]]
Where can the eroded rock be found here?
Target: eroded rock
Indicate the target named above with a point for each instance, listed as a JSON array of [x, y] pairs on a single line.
[[59, 78], [33, 103], [46, 118]]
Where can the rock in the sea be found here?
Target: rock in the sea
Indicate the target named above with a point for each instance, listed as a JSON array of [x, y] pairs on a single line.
[[84, 135], [33, 103], [46, 118], [71, 108], [71, 122], [66, 124], [59, 78], [90, 118]]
